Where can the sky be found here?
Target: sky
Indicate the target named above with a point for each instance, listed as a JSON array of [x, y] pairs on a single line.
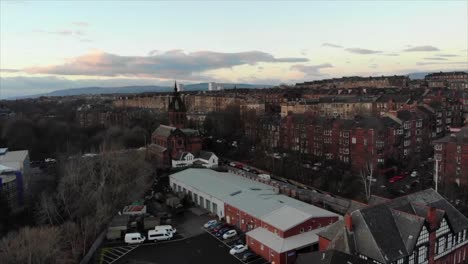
[[51, 45]]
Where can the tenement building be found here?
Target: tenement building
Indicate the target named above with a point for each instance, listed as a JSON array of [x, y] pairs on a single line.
[[451, 154]]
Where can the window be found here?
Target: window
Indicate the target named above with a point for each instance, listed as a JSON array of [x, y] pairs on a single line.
[[405, 152], [400, 132], [302, 230], [406, 125], [353, 140], [422, 254], [261, 247], [438, 147], [423, 236]]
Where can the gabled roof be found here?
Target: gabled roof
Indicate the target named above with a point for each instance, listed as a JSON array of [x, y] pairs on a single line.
[[329, 257], [164, 131], [387, 230], [280, 244], [206, 155]]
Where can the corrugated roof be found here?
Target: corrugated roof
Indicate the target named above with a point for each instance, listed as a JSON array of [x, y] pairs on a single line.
[[255, 198], [280, 244]]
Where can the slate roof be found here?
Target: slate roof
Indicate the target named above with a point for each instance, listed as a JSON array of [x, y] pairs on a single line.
[[157, 148], [329, 257], [387, 230], [206, 155], [164, 131]]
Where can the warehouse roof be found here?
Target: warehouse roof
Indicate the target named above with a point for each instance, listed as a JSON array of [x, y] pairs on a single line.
[[255, 198]]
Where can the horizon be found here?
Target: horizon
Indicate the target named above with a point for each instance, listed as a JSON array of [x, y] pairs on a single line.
[[82, 44]]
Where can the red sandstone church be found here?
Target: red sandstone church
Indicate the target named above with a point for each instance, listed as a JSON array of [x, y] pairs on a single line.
[[169, 142]]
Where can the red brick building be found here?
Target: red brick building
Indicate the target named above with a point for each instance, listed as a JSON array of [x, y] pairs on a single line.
[[278, 227], [451, 154], [420, 228]]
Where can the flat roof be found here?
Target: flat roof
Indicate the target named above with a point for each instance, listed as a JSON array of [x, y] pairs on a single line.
[[14, 159], [280, 244], [255, 198]]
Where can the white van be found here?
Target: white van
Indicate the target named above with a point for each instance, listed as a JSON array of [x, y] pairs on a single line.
[[159, 235], [168, 228], [134, 238]]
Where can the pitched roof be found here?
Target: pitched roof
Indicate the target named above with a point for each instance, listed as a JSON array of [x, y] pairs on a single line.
[[402, 219], [329, 257], [255, 198], [206, 155], [163, 130], [280, 244]]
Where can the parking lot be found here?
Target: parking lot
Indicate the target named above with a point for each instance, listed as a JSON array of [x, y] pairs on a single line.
[[231, 242], [200, 249]]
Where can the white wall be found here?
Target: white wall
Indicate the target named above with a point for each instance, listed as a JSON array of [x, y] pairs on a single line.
[[218, 202]]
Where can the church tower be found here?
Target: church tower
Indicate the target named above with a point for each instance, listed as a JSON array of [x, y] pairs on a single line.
[[177, 110]]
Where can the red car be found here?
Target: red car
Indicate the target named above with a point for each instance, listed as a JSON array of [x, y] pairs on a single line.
[[396, 178]]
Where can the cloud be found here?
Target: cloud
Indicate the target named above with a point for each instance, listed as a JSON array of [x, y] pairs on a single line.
[[391, 54], [373, 66], [170, 64], [304, 52], [9, 70], [86, 40], [362, 51], [435, 58], [421, 48], [331, 45], [447, 55], [62, 32], [80, 24], [311, 71], [441, 63]]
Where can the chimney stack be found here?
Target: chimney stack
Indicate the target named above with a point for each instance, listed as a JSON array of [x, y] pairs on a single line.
[[348, 221], [431, 217]]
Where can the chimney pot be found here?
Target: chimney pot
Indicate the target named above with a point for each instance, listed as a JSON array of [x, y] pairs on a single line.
[[348, 222]]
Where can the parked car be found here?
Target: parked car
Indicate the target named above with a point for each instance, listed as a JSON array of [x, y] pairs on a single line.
[[134, 238], [210, 223], [229, 234], [232, 164], [414, 174], [396, 178], [219, 227], [248, 256], [254, 171], [238, 249], [159, 235], [221, 232], [247, 169]]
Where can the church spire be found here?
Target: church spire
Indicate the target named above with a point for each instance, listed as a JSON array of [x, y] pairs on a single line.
[[175, 87]]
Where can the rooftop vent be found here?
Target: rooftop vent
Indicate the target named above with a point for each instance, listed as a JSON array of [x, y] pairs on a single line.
[[235, 193]]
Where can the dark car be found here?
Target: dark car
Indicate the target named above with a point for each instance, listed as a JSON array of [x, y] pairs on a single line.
[[248, 256], [254, 171], [221, 232], [238, 242], [212, 227], [219, 227]]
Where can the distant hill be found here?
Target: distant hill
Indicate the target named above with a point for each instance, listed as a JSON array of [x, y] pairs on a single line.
[[417, 75], [137, 89]]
